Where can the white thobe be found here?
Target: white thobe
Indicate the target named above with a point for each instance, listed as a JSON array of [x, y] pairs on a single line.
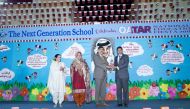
[[56, 81]]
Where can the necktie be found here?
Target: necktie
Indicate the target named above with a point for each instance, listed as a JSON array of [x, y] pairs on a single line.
[[119, 57]]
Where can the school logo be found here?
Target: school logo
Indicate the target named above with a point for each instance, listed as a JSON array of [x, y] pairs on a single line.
[[3, 34]]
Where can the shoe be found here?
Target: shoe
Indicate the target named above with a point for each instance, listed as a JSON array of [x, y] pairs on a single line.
[[55, 105], [78, 105], [60, 105], [126, 105], [105, 104], [99, 105], [119, 105]]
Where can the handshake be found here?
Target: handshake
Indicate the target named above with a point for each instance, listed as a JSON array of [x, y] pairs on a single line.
[[111, 67]]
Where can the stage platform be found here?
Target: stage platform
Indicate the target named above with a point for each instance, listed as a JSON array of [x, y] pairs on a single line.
[[137, 104]]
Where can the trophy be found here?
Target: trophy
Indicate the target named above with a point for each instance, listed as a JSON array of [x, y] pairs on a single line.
[[111, 64]]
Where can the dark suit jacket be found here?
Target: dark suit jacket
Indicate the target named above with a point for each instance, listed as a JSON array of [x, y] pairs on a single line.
[[123, 66]]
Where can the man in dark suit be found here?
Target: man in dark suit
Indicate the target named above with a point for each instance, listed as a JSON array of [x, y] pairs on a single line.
[[122, 77], [100, 76]]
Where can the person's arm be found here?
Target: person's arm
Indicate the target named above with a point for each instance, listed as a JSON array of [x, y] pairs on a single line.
[[49, 82], [87, 71], [63, 67], [115, 61], [71, 72], [53, 67], [50, 71], [126, 62], [87, 79]]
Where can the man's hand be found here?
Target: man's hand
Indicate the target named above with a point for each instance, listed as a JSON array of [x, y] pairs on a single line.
[[112, 66], [108, 67], [116, 67]]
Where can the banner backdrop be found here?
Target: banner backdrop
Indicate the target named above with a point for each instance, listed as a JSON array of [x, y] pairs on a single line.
[[159, 58]]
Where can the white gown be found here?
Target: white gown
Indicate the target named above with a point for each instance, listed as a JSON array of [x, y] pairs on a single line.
[[56, 80]]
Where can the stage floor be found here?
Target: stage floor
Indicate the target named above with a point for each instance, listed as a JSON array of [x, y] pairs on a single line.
[[153, 104]]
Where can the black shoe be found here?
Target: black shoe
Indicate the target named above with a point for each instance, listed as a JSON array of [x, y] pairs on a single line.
[[126, 105], [119, 105]]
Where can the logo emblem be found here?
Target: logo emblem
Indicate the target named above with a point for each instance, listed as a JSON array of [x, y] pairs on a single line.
[[3, 34]]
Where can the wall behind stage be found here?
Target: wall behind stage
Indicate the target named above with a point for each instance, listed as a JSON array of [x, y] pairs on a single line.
[[158, 68]]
